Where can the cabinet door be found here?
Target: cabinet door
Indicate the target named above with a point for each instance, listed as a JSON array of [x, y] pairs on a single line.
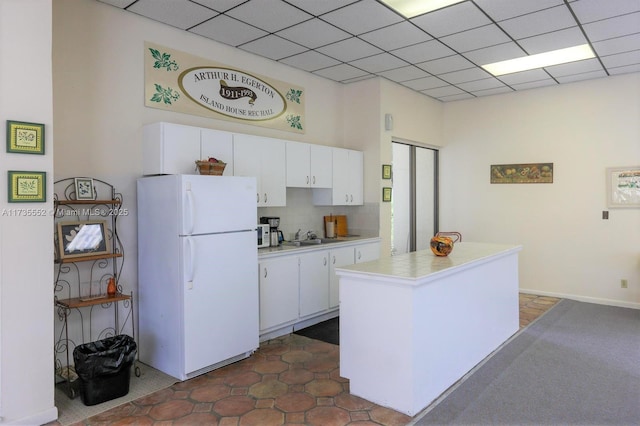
[[340, 257], [356, 171], [278, 291], [367, 252], [273, 177], [314, 282], [321, 166], [217, 144], [341, 187], [170, 149], [298, 160], [247, 160]]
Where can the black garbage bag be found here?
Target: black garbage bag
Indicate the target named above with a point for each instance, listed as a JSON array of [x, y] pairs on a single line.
[[103, 367]]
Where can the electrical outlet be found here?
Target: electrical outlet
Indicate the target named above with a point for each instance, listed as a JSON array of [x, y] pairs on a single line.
[[623, 284]]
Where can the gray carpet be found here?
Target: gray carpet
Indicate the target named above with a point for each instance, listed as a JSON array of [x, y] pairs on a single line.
[[579, 364]]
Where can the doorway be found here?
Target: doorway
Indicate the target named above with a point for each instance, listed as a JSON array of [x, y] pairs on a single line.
[[414, 209]]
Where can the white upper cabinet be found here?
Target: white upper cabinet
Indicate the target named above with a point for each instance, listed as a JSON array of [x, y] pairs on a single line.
[[263, 158], [308, 166], [347, 180], [169, 148]]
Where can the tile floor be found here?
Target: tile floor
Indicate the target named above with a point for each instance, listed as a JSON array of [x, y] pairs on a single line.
[[291, 380]]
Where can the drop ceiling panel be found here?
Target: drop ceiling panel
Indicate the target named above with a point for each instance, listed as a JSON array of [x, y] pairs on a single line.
[[452, 19], [362, 17], [396, 36], [177, 13], [270, 15], [313, 33], [228, 31], [352, 40]]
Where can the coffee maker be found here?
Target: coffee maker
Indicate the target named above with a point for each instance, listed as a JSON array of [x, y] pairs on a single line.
[[274, 234]]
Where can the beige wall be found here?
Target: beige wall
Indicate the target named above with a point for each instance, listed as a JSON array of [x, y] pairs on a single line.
[[582, 128], [26, 246]]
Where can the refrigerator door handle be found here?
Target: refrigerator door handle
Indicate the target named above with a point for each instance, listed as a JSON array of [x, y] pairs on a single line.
[[191, 210], [189, 257]]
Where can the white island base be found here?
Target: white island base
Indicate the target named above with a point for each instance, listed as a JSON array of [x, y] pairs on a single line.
[[414, 324]]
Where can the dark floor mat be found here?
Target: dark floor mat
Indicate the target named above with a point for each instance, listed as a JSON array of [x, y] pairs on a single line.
[[327, 331]]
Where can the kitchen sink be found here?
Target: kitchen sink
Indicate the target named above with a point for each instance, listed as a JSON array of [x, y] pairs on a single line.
[[317, 241]]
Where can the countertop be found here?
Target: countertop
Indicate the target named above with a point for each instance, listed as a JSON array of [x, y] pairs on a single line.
[[424, 265], [286, 249]]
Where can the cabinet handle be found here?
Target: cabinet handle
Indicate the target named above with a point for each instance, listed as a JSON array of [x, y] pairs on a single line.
[[265, 197], [346, 198], [307, 180], [359, 255], [352, 198], [314, 180], [257, 197], [324, 261], [265, 272], [334, 260]]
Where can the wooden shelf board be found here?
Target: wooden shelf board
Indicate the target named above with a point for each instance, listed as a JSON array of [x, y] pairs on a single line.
[[88, 258], [70, 202], [79, 302]]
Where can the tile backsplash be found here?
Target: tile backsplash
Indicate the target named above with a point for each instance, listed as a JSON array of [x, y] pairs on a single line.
[[300, 213]]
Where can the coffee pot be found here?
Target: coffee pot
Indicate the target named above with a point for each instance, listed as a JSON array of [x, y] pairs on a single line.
[[274, 233]]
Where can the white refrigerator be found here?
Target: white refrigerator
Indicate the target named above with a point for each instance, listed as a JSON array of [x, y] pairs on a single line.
[[198, 272]]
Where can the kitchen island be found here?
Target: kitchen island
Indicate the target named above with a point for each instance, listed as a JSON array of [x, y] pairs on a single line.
[[414, 324]]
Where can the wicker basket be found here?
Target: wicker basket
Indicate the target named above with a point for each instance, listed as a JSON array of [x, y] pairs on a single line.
[[211, 168]]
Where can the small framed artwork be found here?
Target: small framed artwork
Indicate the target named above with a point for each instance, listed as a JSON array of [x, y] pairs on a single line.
[[84, 189], [386, 171], [522, 173], [27, 187], [25, 138], [386, 194], [623, 187], [82, 238]]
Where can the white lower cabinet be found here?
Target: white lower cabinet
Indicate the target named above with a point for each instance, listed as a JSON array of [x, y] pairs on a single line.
[[367, 252], [278, 291], [342, 256], [314, 282]]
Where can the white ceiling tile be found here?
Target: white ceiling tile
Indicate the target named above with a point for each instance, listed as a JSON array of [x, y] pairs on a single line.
[[497, 53], [544, 21], [349, 49], [484, 84], [353, 80], [492, 91], [477, 38], [423, 52], [378, 63], [313, 33], [595, 10], [614, 27], [424, 83], [581, 76], [504, 9], [624, 70], [551, 41], [220, 5], [396, 35], [178, 13], [524, 77], [579, 67], [443, 91], [622, 59], [318, 7], [341, 72], [228, 30], [404, 74], [462, 76], [452, 19], [444, 65], [273, 47], [270, 15], [458, 97], [362, 17], [535, 84], [118, 3], [617, 45], [310, 61]]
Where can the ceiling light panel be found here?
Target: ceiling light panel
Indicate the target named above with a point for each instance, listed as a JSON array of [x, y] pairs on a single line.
[[540, 60], [411, 8]]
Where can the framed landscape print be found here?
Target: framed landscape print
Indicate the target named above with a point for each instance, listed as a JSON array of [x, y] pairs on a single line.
[[25, 138], [522, 173], [27, 187]]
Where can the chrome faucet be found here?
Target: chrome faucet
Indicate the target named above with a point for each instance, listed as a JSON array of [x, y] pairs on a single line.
[[297, 236]]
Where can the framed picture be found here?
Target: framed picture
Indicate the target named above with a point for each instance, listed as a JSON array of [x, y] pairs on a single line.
[[386, 171], [386, 194], [82, 238], [25, 138], [623, 187], [522, 173], [27, 187], [84, 189]]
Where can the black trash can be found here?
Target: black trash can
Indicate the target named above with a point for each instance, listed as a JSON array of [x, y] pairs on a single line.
[[104, 368]]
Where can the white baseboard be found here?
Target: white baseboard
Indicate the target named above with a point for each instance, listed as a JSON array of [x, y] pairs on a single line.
[[596, 300]]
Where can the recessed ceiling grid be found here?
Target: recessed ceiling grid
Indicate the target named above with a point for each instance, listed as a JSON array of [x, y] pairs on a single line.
[[438, 53]]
